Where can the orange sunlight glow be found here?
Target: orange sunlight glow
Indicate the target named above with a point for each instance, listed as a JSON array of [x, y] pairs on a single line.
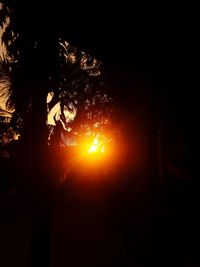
[[94, 149], [96, 146], [95, 158]]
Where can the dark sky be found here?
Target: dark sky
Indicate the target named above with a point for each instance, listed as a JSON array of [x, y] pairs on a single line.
[[156, 39], [135, 33]]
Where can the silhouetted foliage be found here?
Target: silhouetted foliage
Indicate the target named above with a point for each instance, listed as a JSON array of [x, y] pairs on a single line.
[[39, 62]]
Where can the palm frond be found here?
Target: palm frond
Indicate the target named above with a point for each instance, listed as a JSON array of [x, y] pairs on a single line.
[[4, 77]]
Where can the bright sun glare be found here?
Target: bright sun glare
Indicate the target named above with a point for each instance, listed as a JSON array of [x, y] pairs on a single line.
[[96, 147]]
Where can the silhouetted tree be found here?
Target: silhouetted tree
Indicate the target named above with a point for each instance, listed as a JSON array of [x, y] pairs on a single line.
[[39, 61]]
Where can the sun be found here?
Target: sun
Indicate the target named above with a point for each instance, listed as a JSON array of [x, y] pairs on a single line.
[[97, 146], [93, 149]]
